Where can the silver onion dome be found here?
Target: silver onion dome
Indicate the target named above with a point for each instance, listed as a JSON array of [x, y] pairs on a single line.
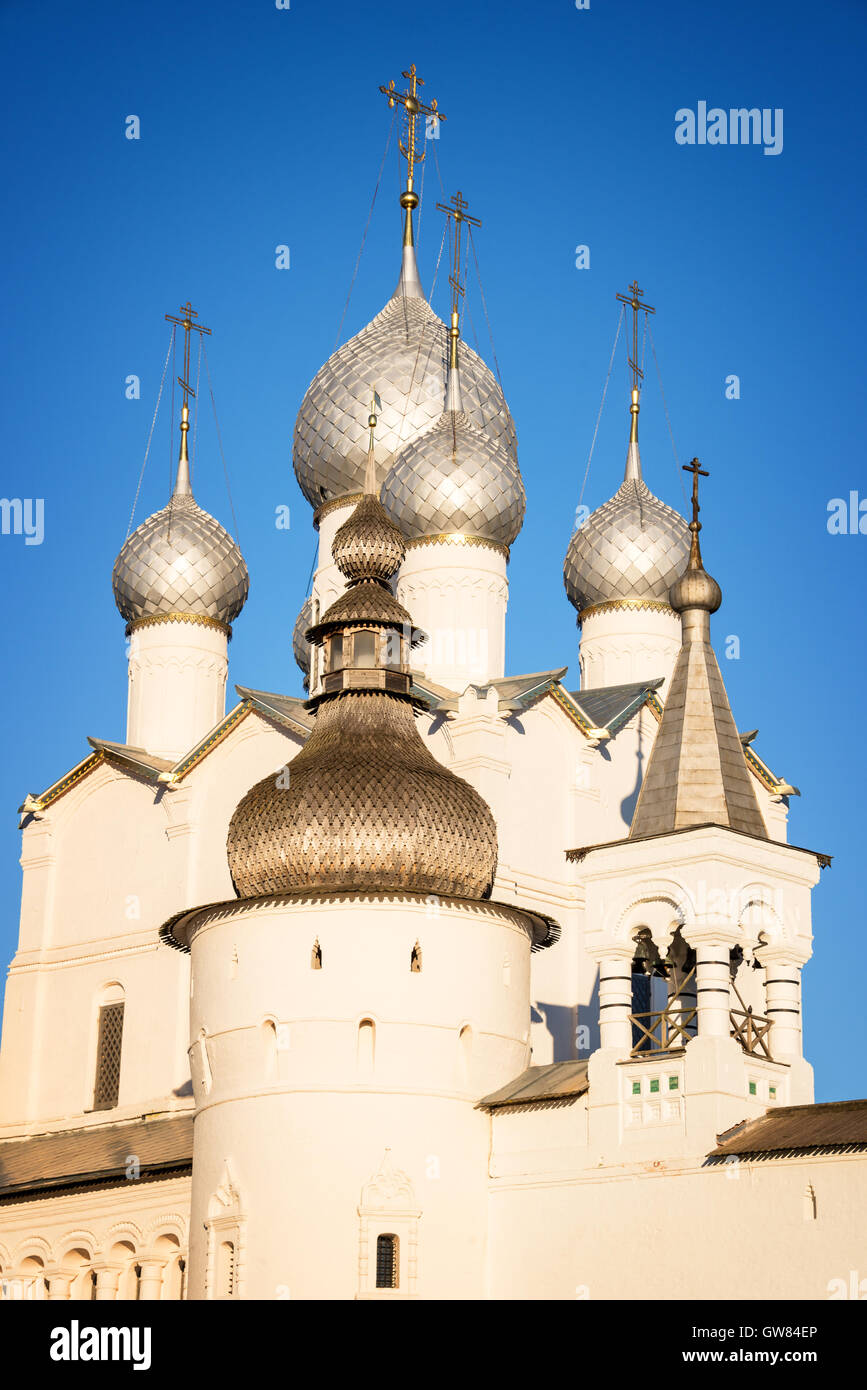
[[300, 646], [633, 547], [455, 480], [403, 351], [180, 561]]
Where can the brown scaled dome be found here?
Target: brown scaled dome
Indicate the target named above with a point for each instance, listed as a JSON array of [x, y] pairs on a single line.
[[368, 545], [367, 806]]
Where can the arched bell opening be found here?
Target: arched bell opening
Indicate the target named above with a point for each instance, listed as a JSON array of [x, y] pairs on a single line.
[[750, 1025], [664, 1013]]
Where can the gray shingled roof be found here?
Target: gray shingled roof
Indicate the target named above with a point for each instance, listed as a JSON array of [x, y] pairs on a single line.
[[697, 771], [787, 1130], [95, 1154], [286, 709], [559, 1081], [611, 706], [136, 759]]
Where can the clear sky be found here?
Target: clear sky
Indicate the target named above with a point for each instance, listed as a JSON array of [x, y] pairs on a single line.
[[263, 127]]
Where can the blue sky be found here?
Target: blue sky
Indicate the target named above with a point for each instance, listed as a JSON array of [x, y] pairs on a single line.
[[262, 127]]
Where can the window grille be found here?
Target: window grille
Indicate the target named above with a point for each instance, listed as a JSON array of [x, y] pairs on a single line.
[[227, 1272], [386, 1262], [108, 1050]]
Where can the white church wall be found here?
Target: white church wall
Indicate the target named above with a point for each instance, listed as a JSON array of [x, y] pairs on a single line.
[[629, 1231], [336, 1064]]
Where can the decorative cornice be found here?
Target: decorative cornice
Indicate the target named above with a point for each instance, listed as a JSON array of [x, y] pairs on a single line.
[[635, 605], [198, 619], [570, 709], [457, 538], [333, 503], [231, 721], [34, 804], [544, 931]]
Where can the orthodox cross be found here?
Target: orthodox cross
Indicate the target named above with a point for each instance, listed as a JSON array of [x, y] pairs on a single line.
[[186, 323], [458, 211], [413, 107], [633, 298], [697, 472]]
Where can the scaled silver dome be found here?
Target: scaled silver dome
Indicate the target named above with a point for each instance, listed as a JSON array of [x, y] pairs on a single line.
[[300, 646], [180, 561], [402, 353], [633, 547], [455, 480]]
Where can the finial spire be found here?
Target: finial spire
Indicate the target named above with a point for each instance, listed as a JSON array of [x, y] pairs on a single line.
[[413, 107], [695, 525], [458, 212], [633, 299], [370, 470], [182, 481]]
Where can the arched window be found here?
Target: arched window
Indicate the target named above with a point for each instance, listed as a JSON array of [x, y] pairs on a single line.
[[269, 1039], [109, 1045], [465, 1053], [387, 1265], [366, 1046]]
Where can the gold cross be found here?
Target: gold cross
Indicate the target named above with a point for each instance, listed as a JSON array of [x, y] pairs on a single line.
[[633, 298], [189, 313], [458, 211], [697, 472], [414, 107]]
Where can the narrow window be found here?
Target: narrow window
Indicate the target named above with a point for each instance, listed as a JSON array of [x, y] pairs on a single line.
[[335, 653], [108, 1050], [415, 960], [365, 649], [386, 1262], [809, 1203], [316, 956]]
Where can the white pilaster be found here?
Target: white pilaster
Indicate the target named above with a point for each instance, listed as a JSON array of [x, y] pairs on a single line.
[[628, 641], [177, 684], [615, 1001], [783, 1003], [457, 591]]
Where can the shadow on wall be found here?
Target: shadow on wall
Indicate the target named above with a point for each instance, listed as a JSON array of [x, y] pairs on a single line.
[[559, 1020], [628, 804]]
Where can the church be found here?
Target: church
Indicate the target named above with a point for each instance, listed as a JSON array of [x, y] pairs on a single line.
[[446, 981]]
